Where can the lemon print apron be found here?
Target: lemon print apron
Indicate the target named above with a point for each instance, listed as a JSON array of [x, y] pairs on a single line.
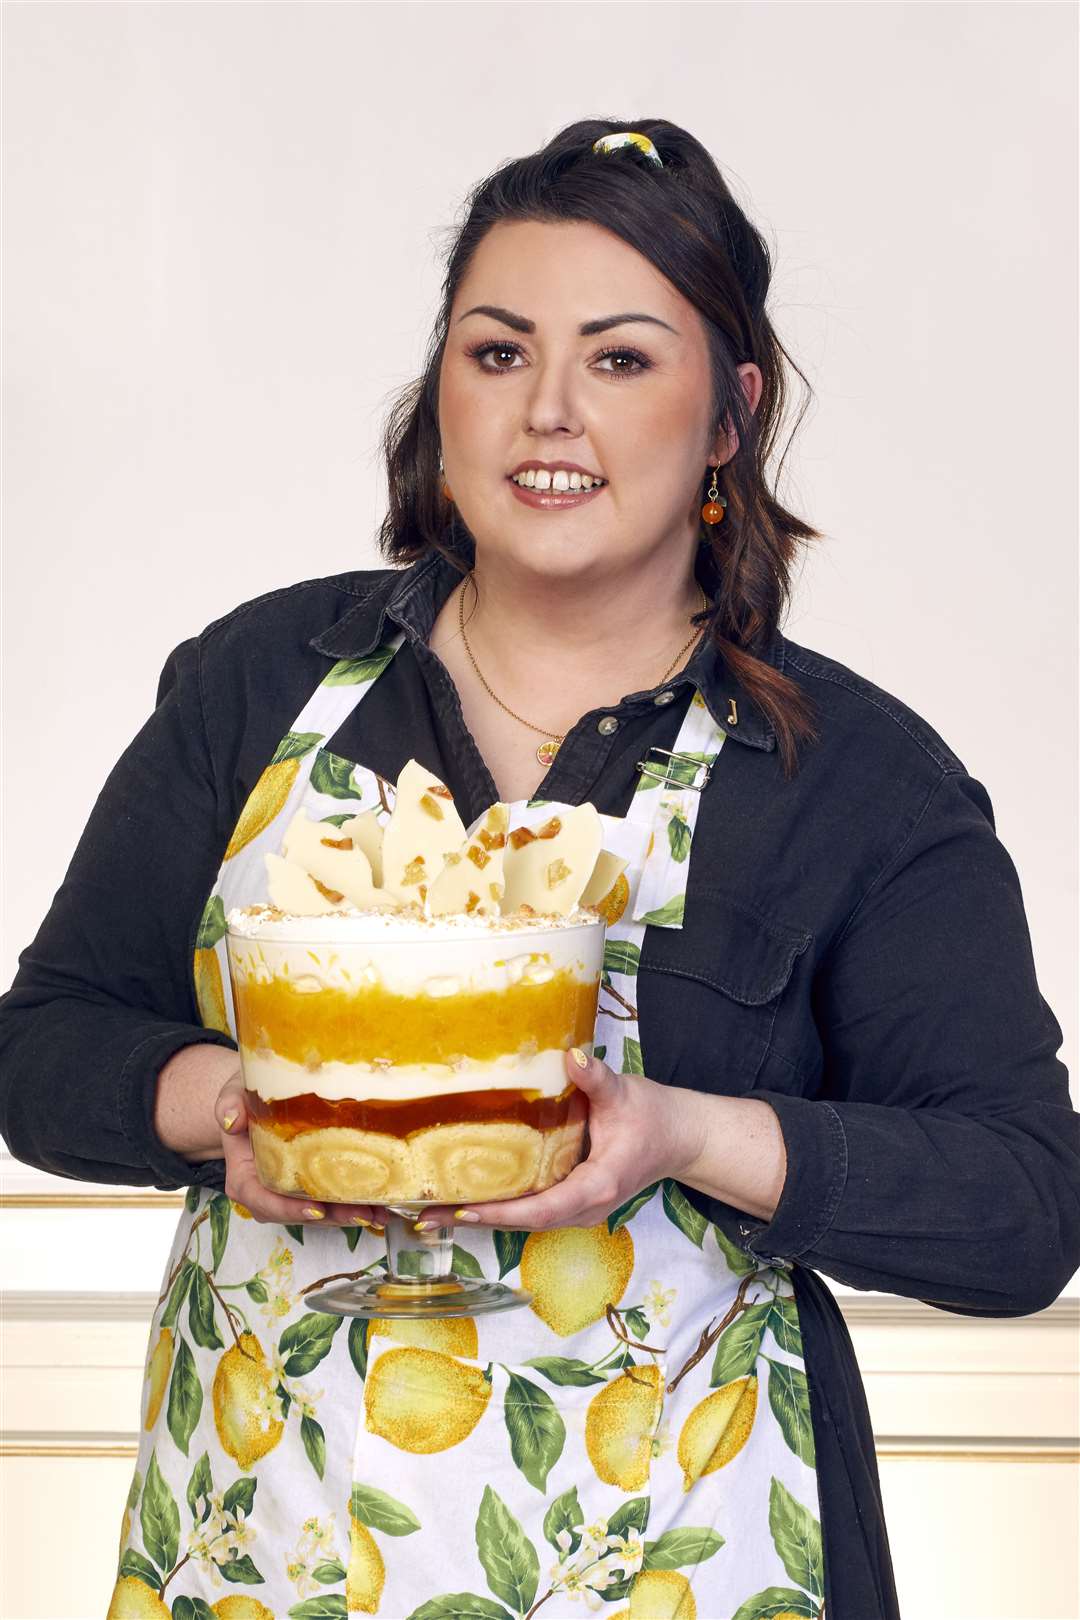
[[636, 1442]]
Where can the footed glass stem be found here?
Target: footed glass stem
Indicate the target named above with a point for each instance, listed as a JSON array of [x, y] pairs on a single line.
[[414, 1256], [420, 1281]]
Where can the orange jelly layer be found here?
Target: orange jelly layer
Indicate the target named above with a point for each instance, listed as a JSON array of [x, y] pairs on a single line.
[[360, 1026], [291, 1116]]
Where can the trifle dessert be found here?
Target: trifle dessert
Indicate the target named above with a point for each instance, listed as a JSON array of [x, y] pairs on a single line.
[[404, 1002]]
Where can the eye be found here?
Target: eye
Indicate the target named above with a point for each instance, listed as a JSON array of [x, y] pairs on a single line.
[[639, 363], [639, 360], [479, 350]]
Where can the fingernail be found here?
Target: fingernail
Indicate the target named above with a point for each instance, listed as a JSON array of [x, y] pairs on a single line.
[[466, 1215], [579, 1057], [375, 1227], [229, 1121], [422, 1226], [315, 1214], [358, 1220]]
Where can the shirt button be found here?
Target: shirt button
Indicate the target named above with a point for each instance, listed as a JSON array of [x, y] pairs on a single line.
[[607, 725], [664, 697]]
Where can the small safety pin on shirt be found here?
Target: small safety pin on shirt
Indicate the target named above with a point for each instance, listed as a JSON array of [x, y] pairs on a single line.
[[698, 769]]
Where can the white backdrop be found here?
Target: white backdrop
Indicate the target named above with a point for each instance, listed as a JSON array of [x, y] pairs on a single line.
[[221, 240]]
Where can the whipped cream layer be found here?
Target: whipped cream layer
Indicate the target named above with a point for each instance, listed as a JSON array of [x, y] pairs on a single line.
[[413, 959], [277, 1078], [405, 923]]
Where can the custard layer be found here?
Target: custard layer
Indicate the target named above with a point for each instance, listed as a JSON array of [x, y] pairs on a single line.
[[375, 1025]]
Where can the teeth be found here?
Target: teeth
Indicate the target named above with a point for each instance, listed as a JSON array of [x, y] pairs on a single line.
[[561, 481]]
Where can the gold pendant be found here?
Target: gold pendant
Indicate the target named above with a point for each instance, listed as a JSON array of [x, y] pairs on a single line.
[[547, 751]]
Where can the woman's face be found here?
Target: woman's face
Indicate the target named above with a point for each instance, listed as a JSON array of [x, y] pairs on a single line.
[[629, 403]]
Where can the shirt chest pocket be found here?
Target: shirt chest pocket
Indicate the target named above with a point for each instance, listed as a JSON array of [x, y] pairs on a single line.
[[709, 992]]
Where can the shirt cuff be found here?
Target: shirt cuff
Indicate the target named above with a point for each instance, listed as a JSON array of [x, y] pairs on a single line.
[[135, 1102], [817, 1166]]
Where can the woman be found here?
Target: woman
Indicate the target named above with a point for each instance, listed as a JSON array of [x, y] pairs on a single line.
[[839, 1062]]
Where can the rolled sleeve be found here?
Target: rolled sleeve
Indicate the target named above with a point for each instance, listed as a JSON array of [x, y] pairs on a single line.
[[817, 1170]]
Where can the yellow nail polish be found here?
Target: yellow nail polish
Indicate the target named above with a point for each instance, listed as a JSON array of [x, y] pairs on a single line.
[[466, 1215], [422, 1226], [229, 1121], [579, 1057], [358, 1220], [315, 1214]]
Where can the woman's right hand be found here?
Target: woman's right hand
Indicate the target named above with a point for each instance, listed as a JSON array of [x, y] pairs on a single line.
[[242, 1178]]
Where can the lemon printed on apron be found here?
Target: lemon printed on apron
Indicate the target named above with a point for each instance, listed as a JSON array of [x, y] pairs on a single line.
[[575, 1274], [271, 791], [206, 968], [584, 1452], [252, 1395]]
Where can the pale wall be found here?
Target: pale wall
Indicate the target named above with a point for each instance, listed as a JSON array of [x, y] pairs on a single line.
[[220, 261]]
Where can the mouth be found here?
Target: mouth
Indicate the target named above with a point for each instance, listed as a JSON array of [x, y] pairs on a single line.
[[555, 499], [560, 481]]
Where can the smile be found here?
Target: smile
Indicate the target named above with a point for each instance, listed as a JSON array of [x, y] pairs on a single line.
[[554, 500]]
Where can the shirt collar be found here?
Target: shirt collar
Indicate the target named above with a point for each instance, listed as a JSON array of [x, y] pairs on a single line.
[[412, 597]]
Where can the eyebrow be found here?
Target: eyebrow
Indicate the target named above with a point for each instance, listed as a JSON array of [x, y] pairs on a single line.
[[586, 329]]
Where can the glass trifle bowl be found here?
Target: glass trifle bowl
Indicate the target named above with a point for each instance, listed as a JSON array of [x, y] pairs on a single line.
[[398, 1059]]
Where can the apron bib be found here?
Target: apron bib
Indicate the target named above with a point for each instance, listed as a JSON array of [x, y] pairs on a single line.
[[644, 1426]]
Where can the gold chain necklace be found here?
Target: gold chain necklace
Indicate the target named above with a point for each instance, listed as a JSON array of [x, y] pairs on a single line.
[[547, 750]]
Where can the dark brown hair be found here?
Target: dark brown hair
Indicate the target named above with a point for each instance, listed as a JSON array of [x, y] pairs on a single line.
[[684, 219]]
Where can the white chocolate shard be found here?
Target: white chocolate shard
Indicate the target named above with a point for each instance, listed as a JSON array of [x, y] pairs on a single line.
[[366, 832], [424, 828], [293, 891], [472, 880], [608, 867], [548, 869], [331, 856]]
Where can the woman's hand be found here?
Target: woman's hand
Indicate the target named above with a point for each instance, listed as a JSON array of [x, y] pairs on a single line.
[[242, 1179], [639, 1132]]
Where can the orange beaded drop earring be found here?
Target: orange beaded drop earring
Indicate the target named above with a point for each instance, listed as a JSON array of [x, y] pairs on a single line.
[[713, 510]]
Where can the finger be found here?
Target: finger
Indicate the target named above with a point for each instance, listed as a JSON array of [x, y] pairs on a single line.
[[438, 1215], [230, 1109], [583, 1198], [278, 1208], [352, 1215], [241, 1174], [593, 1077], [242, 1183]]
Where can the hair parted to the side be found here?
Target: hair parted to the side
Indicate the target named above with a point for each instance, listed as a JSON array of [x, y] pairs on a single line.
[[684, 219]]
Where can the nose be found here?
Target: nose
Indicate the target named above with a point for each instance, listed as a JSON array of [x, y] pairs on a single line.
[[551, 409]]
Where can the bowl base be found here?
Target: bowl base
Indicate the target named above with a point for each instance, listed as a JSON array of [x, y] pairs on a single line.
[[419, 1300]]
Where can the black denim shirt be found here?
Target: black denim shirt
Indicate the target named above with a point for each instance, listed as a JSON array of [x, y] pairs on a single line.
[[854, 952]]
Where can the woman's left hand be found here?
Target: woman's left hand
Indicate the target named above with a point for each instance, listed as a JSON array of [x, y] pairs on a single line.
[[639, 1132]]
